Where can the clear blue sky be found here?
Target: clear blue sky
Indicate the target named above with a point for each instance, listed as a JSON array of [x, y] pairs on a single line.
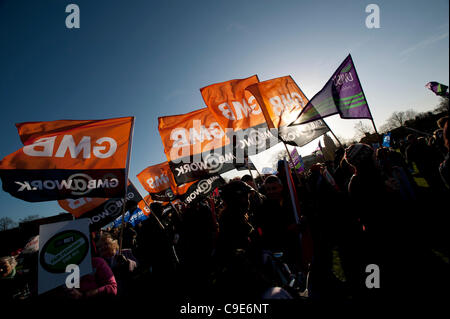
[[149, 58]]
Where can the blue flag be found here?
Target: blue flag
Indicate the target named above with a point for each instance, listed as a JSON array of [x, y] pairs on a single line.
[[387, 140]]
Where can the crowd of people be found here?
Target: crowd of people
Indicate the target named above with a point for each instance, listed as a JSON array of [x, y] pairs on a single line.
[[251, 241]]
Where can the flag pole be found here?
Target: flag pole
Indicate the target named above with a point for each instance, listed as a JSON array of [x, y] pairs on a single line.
[[162, 228], [256, 171], [249, 170], [368, 108], [175, 208], [126, 185], [154, 215], [332, 133], [294, 198], [270, 124], [148, 206]]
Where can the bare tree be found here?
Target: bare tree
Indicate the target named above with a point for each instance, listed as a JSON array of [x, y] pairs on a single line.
[[29, 218], [398, 119], [362, 128], [6, 223], [385, 128], [443, 106]]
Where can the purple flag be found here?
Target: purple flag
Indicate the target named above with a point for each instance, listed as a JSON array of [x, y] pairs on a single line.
[[437, 88], [298, 161], [342, 95]]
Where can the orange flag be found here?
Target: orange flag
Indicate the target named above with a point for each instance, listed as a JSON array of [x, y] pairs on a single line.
[[69, 159], [232, 105], [78, 207], [195, 145], [280, 99], [144, 205], [158, 181], [240, 115]]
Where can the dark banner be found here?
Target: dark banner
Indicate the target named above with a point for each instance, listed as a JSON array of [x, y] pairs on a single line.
[[200, 166], [201, 189], [303, 134], [37, 185], [112, 209], [163, 196]]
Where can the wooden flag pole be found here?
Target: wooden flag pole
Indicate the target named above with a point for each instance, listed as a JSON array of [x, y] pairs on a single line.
[[249, 171], [294, 200], [154, 215], [162, 228], [380, 139], [122, 225], [332, 133], [130, 143]]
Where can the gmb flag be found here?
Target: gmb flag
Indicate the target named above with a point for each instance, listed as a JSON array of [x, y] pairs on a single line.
[[195, 146], [101, 211], [342, 95], [238, 113], [158, 181], [69, 159], [281, 102], [194, 191], [144, 205]]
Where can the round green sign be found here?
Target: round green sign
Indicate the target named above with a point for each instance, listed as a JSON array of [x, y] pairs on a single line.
[[65, 248]]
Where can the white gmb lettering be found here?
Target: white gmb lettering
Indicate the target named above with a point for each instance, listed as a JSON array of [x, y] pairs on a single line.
[[286, 103], [103, 147], [157, 181], [77, 184], [212, 162], [242, 109], [197, 133]]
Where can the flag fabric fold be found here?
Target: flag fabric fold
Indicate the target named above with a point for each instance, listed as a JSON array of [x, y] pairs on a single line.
[[240, 116], [281, 101]]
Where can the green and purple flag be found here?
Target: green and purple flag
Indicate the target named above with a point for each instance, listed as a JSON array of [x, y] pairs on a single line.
[[438, 88], [298, 161], [342, 95]]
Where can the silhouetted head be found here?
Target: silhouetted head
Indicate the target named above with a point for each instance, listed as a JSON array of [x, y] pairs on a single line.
[[248, 180], [360, 156], [273, 187], [235, 194]]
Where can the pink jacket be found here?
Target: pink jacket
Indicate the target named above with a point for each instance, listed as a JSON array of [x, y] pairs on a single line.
[[101, 278]]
